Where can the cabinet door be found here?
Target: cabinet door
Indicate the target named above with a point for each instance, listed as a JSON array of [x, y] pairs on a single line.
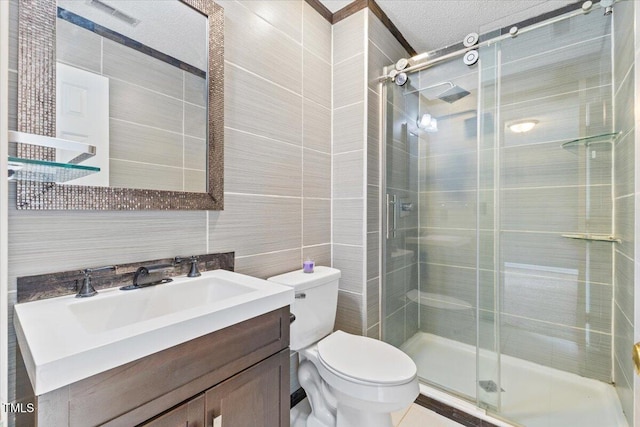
[[189, 414], [256, 397]]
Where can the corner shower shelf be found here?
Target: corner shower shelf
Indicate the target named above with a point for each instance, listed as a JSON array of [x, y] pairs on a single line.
[[590, 140], [24, 169], [593, 237]]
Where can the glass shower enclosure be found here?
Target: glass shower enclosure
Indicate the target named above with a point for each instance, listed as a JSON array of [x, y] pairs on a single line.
[[497, 239]]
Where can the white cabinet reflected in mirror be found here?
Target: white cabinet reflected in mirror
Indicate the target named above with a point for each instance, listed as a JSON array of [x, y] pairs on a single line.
[[131, 81]]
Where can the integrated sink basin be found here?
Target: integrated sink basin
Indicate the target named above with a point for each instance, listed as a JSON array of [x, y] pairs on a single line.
[[67, 339], [123, 309]]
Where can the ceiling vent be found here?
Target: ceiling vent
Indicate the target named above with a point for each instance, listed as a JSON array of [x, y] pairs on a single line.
[[118, 14]]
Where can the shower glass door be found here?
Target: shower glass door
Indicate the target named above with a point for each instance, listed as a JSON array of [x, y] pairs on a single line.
[[497, 265], [545, 215], [429, 295]]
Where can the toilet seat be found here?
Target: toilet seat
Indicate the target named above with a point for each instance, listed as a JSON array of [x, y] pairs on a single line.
[[360, 359]]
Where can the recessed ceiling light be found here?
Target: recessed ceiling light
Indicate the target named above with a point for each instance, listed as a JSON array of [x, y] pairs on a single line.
[[522, 126]]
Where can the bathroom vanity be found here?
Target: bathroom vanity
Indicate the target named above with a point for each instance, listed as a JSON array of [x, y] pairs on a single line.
[[209, 351], [238, 376]]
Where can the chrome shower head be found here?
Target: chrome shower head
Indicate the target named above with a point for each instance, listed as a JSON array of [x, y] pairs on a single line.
[[451, 95]]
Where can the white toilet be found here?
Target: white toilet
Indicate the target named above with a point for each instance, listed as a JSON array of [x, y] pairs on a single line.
[[350, 380]]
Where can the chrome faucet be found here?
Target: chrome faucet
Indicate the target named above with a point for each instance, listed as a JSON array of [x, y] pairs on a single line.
[[149, 276], [87, 289], [193, 260]]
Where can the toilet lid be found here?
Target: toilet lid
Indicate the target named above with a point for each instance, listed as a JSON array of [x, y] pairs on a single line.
[[365, 359]]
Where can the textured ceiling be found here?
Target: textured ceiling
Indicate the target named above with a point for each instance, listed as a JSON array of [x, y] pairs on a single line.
[[433, 24]]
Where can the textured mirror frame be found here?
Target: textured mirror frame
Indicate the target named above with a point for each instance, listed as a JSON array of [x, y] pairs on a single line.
[[37, 114]]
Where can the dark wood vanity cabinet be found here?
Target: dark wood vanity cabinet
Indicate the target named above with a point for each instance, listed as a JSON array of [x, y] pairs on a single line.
[[251, 398], [239, 373], [188, 414]]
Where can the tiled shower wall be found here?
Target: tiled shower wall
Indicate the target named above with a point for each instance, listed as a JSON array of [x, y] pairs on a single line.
[[447, 184], [362, 46], [625, 196], [277, 112], [555, 293]]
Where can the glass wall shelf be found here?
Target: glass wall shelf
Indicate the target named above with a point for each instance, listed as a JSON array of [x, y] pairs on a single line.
[[593, 237], [65, 168], [605, 138], [46, 171]]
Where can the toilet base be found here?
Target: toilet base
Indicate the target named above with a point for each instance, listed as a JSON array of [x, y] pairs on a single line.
[[331, 408], [300, 414], [322, 401], [350, 417]]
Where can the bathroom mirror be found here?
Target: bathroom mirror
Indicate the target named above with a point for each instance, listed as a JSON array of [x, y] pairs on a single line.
[[163, 109]]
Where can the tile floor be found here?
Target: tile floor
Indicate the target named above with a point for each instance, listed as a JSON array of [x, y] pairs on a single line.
[[417, 416], [413, 416]]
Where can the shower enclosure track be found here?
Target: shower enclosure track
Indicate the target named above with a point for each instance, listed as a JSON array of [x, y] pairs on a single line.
[[516, 31]]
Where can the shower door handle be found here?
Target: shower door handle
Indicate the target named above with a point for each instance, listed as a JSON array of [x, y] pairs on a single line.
[[392, 217]]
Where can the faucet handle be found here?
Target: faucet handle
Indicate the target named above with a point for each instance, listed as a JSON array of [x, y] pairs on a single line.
[[93, 270], [87, 289], [193, 260], [194, 272]]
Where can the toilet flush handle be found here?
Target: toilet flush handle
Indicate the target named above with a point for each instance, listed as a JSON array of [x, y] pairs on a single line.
[[301, 295]]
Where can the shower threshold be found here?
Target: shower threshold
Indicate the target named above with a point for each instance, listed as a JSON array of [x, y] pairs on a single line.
[[535, 395]]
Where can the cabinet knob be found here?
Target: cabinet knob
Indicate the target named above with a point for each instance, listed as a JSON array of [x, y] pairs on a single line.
[[636, 357]]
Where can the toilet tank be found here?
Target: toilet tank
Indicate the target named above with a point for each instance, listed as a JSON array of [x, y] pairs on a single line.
[[314, 306]]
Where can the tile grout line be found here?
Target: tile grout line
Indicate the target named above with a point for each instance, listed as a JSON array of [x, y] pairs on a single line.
[[404, 415]]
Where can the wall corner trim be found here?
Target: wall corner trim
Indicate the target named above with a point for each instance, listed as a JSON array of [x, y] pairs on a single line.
[[356, 6], [321, 9]]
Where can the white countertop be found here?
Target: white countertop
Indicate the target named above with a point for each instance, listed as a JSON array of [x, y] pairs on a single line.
[[66, 339]]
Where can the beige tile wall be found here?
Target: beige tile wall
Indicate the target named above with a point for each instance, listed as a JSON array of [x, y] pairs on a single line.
[[362, 45], [349, 162], [625, 201], [277, 166], [632, 404]]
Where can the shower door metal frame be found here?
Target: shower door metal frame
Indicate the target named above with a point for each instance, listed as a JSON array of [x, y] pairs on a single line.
[[382, 209], [498, 278]]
